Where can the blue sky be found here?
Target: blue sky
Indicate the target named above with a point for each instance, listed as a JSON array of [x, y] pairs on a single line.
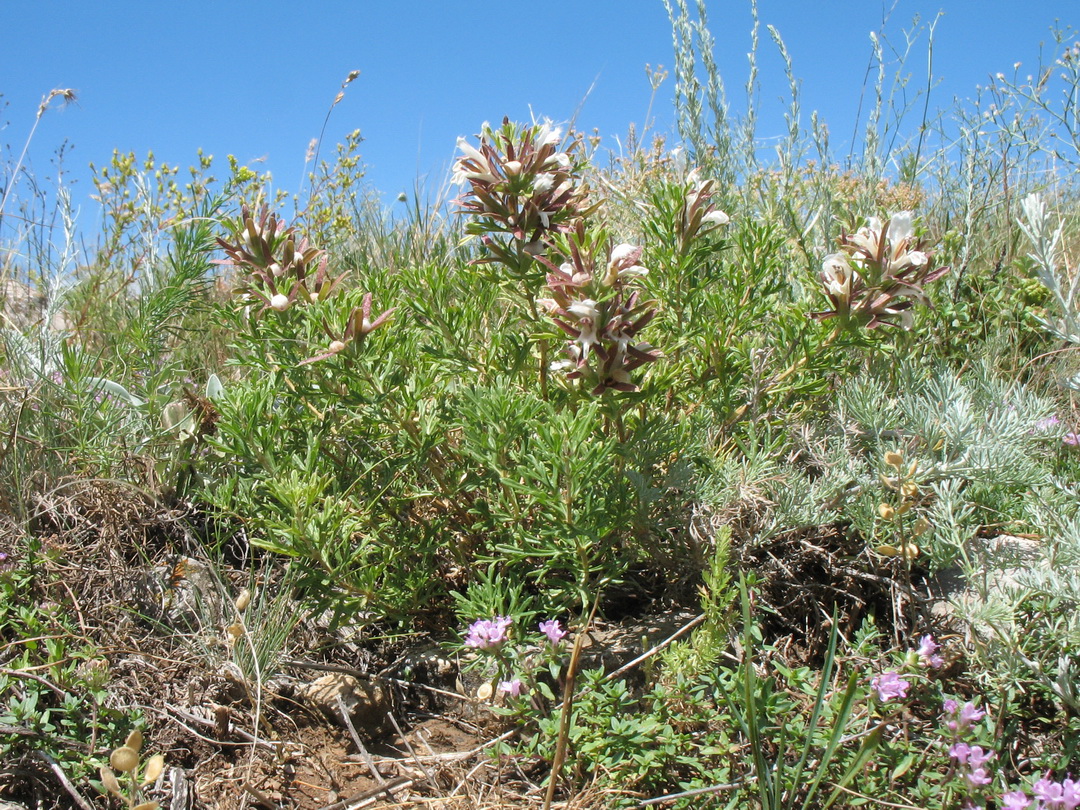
[[256, 80]]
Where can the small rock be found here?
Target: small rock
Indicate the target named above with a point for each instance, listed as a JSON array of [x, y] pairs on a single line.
[[367, 702]]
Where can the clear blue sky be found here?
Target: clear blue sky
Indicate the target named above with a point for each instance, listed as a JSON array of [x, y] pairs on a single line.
[[256, 79]]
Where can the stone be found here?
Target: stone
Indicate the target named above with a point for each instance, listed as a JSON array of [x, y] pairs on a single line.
[[366, 701]]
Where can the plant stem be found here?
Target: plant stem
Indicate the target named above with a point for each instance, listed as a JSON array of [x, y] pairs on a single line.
[[568, 703]]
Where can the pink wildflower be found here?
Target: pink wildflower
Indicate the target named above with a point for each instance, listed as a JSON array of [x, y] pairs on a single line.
[[486, 633], [514, 687], [928, 652], [1017, 800], [889, 685], [1063, 795], [978, 777], [553, 631], [960, 719]]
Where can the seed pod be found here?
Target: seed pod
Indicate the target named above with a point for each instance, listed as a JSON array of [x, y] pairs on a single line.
[[484, 691], [886, 511], [910, 489], [921, 526], [894, 459], [109, 781], [134, 740], [124, 759], [885, 550], [154, 766], [146, 806], [234, 631], [243, 600]]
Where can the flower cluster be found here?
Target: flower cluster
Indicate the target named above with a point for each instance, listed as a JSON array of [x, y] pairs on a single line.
[[889, 685], [484, 634], [277, 261], [893, 684], [1048, 795], [553, 630], [281, 269], [928, 653], [971, 761], [959, 719], [878, 275], [514, 667], [593, 303], [521, 184]]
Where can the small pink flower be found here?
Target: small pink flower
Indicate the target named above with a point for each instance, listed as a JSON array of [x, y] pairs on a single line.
[[978, 777], [1071, 438], [960, 751], [486, 633], [1063, 795], [928, 652], [553, 631], [978, 757], [960, 719], [1017, 800], [513, 687], [889, 685]]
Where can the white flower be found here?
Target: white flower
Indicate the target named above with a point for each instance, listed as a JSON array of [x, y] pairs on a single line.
[[633, 271], [548, 134], [560, 160], [901, 226], [623, 263], [587, 315], [280, 302], [836, 273], [463, 173], [547, 304], [543, 183], [621, 253], [872, 228], [715, 218], [584, 309], [471, 152]]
